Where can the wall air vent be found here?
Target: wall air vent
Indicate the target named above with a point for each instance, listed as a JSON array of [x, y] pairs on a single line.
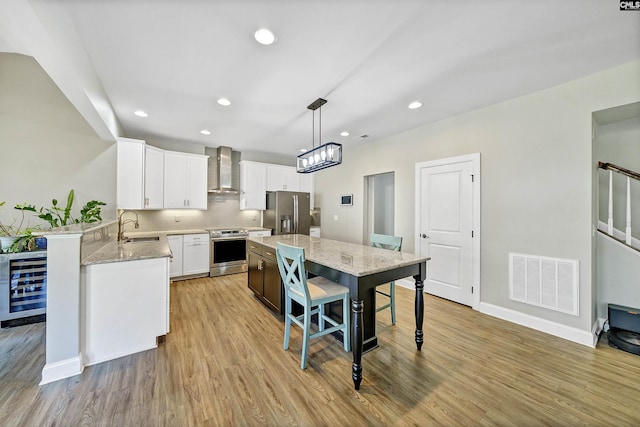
[[545, 282]]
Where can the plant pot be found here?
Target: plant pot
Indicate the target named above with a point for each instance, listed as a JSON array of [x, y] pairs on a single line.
[[6, 242]]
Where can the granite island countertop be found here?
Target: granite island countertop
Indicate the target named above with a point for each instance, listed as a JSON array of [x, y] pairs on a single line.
[[357, 260]]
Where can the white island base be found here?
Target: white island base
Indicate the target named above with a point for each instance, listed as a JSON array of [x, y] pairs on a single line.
[[126, 307]]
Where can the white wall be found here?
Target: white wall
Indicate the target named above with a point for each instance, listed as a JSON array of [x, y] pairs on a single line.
[[619, 143], [618, 275], [46, 147], [537, 171]]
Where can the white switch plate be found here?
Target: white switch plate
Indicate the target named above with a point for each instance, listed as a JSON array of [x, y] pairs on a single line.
[[335, 217]]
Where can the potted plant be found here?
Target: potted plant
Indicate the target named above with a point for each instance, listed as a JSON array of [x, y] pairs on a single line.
[[57, 216], [15, 238]]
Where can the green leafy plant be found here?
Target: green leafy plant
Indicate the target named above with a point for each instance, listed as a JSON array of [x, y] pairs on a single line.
[[58, 216], [22, 238]]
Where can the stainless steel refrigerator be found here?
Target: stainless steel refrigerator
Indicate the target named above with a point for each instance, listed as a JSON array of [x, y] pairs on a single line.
[[287, 212]]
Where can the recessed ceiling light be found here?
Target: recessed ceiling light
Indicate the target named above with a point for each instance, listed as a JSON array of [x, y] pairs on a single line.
[[224, 101], [415, 104], [205, 132], [265, 36], [344, 133], [141, 113]]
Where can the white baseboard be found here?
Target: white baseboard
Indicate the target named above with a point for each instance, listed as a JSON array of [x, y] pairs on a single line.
[[576, 335], [62, 369]]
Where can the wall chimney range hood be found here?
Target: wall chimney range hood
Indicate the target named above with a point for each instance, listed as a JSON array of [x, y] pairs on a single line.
[[223, 172]]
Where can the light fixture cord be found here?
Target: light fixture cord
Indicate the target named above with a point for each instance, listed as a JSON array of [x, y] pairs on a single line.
[[320, 131], [313, 129]]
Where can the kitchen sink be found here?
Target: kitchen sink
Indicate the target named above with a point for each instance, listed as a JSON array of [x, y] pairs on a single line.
[[141, 239]]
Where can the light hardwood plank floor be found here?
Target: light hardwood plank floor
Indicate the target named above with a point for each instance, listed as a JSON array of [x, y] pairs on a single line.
[[223, 364]]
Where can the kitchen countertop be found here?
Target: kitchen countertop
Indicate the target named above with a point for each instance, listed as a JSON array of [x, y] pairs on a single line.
[[129, 251], [354, 259], [74, 228]]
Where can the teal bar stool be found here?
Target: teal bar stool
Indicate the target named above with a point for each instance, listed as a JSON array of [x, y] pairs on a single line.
[[393, 243], [312, 295]]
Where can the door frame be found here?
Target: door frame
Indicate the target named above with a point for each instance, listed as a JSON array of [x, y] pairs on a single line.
[[475, 162]]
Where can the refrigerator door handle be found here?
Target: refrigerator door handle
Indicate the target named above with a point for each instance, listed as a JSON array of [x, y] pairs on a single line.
[[295, 213]]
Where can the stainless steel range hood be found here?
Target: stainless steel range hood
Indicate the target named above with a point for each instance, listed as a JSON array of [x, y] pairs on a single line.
[[224, 172]]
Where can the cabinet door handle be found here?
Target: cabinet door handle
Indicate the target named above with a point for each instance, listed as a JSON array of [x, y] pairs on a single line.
[[269, 253]]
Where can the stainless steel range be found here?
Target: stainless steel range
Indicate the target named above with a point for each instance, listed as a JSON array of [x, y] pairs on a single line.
[[228, 251]]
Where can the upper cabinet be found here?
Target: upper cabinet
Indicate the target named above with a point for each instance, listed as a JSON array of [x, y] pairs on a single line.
[[258, 178], [185, 181], [282, 178], [253, 185], [140, 175], [151, 178]]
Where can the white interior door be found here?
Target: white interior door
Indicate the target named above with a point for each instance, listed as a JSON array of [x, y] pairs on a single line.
[[445, 223]]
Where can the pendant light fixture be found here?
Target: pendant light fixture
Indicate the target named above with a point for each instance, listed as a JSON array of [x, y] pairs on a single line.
[[323, 156]]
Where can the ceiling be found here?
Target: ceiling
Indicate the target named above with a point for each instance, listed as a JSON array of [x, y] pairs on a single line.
[[368, 58]]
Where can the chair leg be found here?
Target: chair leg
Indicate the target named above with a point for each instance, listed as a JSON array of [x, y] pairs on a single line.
[[346, 316], [287, 322], [392, 294], [305, 337], [321, 317]]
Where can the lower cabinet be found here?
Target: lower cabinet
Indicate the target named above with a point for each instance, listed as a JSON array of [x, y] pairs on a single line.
[[125, 307], [264, 276], [175, 243], [190, 255]]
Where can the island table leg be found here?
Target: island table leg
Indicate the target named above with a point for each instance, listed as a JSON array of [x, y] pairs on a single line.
[[357, 307], [419, 313]]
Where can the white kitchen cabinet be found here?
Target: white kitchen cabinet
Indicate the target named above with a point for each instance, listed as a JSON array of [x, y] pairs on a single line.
[[125, 307], [253, 185], [259, 233], [140, 175], [282, 178], [175, 266], [153, 178], [185, 180], [307, 185], [314, 232], [195, 253]]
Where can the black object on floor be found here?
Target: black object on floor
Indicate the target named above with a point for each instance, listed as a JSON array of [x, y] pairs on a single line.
[[624, 340], [24, 321]]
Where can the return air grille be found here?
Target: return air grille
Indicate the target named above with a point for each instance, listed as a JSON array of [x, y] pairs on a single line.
[[545, 282]]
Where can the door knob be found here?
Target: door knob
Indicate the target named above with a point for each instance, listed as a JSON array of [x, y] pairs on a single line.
[[424, 236]]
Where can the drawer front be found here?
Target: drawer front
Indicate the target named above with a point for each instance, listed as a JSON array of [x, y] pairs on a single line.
[[254, 247], [196, 238], [269, 253]]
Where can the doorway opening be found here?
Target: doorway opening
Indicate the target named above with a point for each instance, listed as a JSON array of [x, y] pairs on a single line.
[[379, 205]]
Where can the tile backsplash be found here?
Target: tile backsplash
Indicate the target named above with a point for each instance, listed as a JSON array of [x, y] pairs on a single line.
[[222, 211]]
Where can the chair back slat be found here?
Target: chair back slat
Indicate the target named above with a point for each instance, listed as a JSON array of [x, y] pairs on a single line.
[[385, 241], [291, 266]]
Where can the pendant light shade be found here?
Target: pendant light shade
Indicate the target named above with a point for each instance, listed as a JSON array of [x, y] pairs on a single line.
[[323, 156]]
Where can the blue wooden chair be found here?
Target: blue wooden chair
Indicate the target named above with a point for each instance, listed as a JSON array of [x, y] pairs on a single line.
[[311, 294], [393, 243]]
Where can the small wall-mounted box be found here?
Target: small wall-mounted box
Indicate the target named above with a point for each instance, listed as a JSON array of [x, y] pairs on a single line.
[[346, 200]]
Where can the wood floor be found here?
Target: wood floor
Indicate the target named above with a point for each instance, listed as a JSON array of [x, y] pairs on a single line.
[[223, 364]]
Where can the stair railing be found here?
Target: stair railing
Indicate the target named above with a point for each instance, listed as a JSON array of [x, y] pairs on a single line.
[[630, 175]]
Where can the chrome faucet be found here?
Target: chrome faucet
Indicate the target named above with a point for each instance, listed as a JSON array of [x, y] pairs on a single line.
[[122, 222]]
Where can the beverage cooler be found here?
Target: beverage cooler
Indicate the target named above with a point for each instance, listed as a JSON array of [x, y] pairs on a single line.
[[23, 285]]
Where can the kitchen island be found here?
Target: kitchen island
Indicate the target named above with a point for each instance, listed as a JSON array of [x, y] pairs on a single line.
[[361, 269]]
